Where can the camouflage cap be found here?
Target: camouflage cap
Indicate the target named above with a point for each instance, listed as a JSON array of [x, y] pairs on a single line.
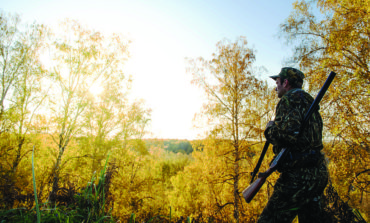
[[290, 73]]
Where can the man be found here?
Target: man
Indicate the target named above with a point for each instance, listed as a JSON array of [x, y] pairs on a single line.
[[304, 174]]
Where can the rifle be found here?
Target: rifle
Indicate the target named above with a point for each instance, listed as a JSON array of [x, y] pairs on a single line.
[[254, 187], [255, 171]]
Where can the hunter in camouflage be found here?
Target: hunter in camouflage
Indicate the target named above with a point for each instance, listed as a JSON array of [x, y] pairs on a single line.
[[304, 174]]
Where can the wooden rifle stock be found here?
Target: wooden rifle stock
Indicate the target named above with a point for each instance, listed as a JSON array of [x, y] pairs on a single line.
[[252, 190], [254, 187]]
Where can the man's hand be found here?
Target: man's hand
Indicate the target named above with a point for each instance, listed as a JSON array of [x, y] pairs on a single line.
[[270, 123]]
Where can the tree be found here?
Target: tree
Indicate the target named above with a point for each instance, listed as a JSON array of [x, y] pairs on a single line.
[[112, 120], [233, 110], [19, 46], [338, 38], [21, 88], [13, 54], [82, 58]]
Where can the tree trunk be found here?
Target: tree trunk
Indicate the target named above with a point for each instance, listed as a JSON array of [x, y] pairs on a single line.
[[54, 190], [236, 183], [236, 163]]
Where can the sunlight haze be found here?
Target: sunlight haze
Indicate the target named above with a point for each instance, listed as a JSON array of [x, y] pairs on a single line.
[[163, 34]]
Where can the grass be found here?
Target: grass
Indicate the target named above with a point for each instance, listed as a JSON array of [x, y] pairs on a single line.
[[89, 205], [158, 218], [34, 187]]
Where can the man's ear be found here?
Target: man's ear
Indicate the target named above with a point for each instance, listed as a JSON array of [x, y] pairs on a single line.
[[285, 83]]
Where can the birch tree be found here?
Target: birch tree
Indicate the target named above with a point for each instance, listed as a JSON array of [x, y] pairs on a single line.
[[233, 110], [21, 92], [113, 119], [81, 58]]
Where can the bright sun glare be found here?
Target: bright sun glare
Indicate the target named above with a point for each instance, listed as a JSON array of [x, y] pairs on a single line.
[[157, 67], [159, 76]]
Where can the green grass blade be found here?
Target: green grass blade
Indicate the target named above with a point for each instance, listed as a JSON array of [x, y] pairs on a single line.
[[132, 218], [189, 220], [102, 173], [102, 218], [34, 188]]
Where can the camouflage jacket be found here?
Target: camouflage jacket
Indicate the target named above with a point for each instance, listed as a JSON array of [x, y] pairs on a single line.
[[290, 113]]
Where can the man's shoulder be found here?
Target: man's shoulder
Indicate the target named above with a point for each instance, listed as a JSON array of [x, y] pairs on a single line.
[[297, 93], [296, 96]]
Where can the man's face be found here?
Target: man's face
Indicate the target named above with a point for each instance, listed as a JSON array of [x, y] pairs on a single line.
[[280, 88]]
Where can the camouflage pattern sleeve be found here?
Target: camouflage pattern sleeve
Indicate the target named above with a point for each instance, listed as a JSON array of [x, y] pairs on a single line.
[[286, 126], [290, 113]]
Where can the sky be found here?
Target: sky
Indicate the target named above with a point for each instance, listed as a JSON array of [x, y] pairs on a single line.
[[163, 34]]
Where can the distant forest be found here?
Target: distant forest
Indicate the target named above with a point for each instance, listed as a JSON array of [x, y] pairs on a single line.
[[170, 145]]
